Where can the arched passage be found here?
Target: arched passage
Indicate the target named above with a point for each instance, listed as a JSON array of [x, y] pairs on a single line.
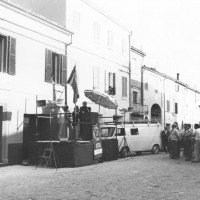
[[156, 113]]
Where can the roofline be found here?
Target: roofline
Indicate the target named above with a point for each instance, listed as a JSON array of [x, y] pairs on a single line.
[[153, 70], [106, 15], [33, 15], [139, 52]]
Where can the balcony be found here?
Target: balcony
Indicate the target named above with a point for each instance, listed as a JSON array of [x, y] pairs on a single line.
[[139, 109]]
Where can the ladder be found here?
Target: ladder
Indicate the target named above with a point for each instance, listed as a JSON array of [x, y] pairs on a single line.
[[47, 156]]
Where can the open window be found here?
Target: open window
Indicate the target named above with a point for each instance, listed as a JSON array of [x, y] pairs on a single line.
[[134, 131], [55, 68], [120, 132], [107, 131], [111, 86]]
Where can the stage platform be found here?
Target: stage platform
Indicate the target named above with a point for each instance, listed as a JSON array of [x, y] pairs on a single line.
[[68, 153]]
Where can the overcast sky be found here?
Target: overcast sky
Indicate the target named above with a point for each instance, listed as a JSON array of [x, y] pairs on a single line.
[[168, 31]]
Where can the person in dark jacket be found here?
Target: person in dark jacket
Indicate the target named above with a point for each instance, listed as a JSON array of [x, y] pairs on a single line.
[[85, 132], [164, 135]]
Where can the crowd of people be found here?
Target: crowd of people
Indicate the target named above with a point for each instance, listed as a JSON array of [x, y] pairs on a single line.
[[75, 125], [187, 139]]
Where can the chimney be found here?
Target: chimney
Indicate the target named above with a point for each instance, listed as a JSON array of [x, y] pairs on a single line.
[[177, 76]]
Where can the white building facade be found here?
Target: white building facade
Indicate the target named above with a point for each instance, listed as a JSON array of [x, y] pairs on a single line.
[[31, 50], [99, 49], [168, 99]]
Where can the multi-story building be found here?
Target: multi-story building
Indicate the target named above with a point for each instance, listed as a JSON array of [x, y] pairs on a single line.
[[32, 49], [138, 109], [168, 99], [99, 49]]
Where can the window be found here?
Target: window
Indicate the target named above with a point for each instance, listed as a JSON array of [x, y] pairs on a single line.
[[120, 132], [55, 68], [146, 86], [95, 77], [110, 39], [176, 108], [135, 97], [111, 83], [134, 131], [107, 132], [7, 54], [168, 106], [124, 87], [97, 31]]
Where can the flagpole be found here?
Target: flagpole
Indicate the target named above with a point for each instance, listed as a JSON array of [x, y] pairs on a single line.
[[75, 118]]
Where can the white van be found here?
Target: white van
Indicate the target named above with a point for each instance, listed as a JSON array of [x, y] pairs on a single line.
[[134, 137]]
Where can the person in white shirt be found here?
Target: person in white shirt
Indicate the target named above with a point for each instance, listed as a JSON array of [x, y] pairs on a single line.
[[197, 143]]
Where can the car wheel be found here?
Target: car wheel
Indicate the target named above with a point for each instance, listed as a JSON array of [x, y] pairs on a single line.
[[155, 149], [138, 153], [124, 152]]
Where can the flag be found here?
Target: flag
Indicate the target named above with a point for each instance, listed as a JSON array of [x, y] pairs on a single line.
[[74, 83]]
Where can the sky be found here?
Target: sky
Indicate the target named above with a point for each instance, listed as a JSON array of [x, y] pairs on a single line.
[[168, 31]]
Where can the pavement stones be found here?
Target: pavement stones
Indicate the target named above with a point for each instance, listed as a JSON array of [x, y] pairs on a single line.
[[145, 177]]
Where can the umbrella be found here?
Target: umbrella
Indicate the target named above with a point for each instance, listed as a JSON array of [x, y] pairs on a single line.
[[102, 99]]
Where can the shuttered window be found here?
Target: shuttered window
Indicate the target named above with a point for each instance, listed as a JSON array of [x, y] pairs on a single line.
[[12, 55], [64, 70], [168, 106], [55, 68], [124, 87], [176, 108], [7, 54]]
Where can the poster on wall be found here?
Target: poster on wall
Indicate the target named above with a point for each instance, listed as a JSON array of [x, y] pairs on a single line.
[[97, 142]]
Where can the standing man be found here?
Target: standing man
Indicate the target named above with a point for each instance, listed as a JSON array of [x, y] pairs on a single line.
[[76, 124], [197, 143], [85, 126], [188, 142], [61, 123], [174, 138], [165, 142]]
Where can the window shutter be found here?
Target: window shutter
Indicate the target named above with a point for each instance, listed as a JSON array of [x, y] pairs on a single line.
[[64, 70], [48, 66], [122, 86], [12, 56], [114, 90]]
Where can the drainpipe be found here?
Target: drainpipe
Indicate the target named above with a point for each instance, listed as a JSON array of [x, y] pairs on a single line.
[[130, 69], [66, 45], [142, 86]]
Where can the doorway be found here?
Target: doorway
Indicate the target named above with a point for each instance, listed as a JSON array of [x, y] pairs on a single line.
[[156, 113]]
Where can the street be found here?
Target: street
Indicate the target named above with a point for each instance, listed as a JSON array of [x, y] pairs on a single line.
[[138, 177]]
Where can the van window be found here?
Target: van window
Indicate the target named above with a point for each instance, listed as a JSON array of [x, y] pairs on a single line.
[[134, 131], [120, 132], [107, 131]]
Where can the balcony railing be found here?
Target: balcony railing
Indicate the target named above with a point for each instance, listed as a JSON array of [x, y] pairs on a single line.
[[139, 109]]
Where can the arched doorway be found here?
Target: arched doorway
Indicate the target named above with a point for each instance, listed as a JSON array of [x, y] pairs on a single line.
[[156, 113]]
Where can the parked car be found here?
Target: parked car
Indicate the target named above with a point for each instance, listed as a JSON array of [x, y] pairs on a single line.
[[134, 137]]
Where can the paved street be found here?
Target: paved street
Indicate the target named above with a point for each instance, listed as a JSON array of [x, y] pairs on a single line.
[[140, 177]]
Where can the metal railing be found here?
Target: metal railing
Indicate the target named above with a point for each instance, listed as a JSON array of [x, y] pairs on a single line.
[[139, 109]]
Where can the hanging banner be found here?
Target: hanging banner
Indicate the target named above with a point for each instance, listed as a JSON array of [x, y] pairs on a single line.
[[97, 142]]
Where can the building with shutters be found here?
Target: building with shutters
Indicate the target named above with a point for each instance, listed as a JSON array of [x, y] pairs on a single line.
[[168, 99], [138, 110], [32, 56], [100, 49]]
